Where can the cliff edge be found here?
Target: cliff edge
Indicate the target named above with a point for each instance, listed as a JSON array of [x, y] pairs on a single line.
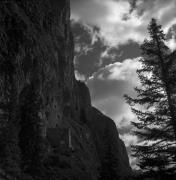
[[53, 131]]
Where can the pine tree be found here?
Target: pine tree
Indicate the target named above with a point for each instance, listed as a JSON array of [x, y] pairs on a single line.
[[156, 126]]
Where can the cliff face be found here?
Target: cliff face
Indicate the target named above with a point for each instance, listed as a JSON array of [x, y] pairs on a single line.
[[36, 38], [110, 148], [109, 145]]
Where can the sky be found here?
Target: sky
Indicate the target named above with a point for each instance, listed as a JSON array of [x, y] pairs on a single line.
[[107, 35]]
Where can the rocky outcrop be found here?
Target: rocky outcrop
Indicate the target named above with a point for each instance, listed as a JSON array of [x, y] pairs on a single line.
[[105, 136], [110, 147], [36, 40]]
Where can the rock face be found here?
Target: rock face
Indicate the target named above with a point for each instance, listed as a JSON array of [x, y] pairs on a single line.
[[84, 142], [110, 147]]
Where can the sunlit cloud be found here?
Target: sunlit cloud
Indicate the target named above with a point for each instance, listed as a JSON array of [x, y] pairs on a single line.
[[110, 66], [129, 139], [171, 43], [117, 25], [108, 86], [79, 77]]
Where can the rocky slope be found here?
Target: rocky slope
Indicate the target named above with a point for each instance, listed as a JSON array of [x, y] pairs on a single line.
[[36, 40]]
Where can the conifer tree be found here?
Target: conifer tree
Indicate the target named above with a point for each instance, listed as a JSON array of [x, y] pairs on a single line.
[[154, 105]]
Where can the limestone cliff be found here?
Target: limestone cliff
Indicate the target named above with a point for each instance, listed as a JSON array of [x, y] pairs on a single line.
[[37, 43]]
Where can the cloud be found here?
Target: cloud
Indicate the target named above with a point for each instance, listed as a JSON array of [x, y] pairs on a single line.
[[162, 10], [88, 48], [119, 21], [79, 76], [125, 71], [120, 71], [102, 36], [91, 53], [129, 139], [108, 16], [171, 44], [171, 38], [118, 54], [88, 11], [108, 86], [108, 34]]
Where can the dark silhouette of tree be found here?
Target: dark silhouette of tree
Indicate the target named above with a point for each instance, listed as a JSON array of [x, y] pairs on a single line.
[[156, 125]]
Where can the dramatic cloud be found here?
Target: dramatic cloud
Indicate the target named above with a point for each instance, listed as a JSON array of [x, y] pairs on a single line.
[[91, 53], [120, 22], [108, 86], [88, 49], [108, 34]]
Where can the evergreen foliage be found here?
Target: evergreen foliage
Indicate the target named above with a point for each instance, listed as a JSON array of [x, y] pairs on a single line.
[[154, 105]]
